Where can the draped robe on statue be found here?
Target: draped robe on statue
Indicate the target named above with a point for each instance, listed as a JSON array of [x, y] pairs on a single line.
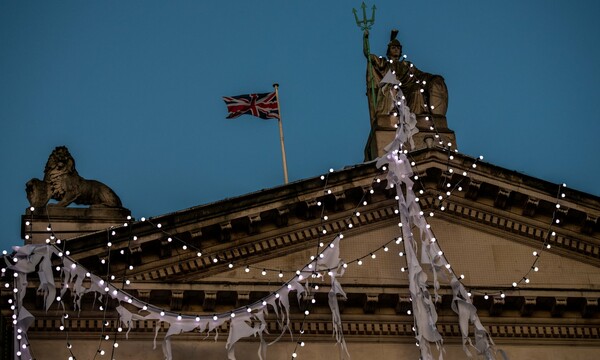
[[434, 90]]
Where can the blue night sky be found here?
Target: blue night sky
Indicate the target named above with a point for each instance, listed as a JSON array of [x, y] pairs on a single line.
[[133, 89]]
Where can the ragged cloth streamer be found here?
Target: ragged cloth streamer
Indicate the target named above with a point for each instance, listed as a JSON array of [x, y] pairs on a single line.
[[253, 323], [332, 263], [399, 176], [246, 325], [336, 319], [467, 314], [74, 276], [424, 311], [407, 121], [24, 321], [30, 258]]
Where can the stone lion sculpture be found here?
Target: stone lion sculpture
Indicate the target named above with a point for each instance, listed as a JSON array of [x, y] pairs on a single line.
[[63, 184]]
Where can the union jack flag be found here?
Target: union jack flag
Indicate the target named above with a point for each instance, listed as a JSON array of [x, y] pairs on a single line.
[[263, 106]]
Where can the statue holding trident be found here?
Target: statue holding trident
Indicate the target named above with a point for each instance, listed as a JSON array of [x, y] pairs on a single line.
[[426, 94]]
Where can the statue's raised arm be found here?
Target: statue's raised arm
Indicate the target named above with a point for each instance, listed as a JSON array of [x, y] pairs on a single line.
[[366, 49]]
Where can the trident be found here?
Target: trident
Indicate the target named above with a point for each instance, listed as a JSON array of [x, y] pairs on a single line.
[[365, 24]]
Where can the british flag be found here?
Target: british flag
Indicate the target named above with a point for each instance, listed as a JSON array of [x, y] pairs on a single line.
[[263, 106]]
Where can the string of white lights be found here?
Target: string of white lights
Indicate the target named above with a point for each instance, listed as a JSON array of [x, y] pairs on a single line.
[[186, 246], [371, 253], [357, 260]]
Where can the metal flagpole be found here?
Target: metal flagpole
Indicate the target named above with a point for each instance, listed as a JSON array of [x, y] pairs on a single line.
[[285, 173]]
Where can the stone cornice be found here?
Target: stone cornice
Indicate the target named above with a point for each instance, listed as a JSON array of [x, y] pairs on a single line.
[[204, 298], [258, 211], [273, 244], [501, 177], [375, 328], [284, 220]]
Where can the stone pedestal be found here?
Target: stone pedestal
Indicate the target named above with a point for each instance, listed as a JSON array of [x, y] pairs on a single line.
[[383, 131], [67, 223]]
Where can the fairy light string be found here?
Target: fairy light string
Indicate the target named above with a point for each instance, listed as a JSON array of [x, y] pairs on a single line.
[[371, 253], [163, 312], [124, 283], [106, 260], [537, 254], [411, 216], [355, 260], [319, 245], [60, 300], [546, 245], [187, 246], [441, 142]]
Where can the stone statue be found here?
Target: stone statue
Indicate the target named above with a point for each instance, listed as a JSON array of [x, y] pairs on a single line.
[[425, 93], [63, 184]]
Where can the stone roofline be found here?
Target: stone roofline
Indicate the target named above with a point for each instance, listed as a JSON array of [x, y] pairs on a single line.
[[506, 189]]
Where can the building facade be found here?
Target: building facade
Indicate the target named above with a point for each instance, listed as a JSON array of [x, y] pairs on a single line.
[[489, 227]]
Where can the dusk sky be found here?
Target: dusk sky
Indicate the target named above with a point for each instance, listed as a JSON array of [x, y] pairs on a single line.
[[134, 90]]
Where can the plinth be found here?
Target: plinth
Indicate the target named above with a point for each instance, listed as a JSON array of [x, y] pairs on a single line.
[[383, 132], [67, 223]]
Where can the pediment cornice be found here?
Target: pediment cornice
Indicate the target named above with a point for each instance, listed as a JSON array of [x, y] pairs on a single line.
[[275, 222]]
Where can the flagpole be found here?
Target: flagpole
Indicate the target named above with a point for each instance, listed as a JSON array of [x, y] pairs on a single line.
[[285, 173]]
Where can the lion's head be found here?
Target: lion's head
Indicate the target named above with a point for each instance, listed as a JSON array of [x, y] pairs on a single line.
[[59, 168], [59, 162]]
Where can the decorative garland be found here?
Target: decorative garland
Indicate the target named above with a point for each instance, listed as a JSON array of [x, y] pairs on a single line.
[[250, 320], [244, 322], [425, 316]]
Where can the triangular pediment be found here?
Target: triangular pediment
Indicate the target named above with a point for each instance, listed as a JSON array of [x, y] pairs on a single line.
[[486, 259], [488, 222], [275, 222]]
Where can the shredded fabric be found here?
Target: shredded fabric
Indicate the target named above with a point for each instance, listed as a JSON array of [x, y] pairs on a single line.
[[423, 304], [243, 323]]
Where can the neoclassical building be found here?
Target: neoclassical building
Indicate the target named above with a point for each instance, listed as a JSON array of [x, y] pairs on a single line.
[[488, 231], [317, 268]]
